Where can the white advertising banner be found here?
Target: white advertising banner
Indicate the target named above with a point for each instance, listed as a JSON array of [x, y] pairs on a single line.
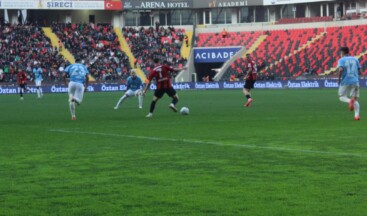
[[282, 2], [71, 4], [17, 4], [53, 4]]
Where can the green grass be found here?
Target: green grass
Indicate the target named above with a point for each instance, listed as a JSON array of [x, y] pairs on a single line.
[[294, 152]]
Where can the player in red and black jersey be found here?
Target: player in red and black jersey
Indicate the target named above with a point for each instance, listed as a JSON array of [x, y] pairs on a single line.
[[161, 74], [22, 81], [250, 78]]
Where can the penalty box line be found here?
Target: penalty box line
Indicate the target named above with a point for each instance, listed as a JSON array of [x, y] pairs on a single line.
[[189, 141]]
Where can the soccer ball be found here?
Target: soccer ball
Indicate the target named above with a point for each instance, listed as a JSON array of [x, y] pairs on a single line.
[[184, 111]]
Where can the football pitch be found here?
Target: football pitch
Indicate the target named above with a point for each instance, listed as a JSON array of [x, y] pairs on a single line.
[[293, 152]]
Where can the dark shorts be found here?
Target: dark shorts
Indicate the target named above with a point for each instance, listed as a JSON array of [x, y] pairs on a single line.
[[249, 84], [160, 92], [23, 86]]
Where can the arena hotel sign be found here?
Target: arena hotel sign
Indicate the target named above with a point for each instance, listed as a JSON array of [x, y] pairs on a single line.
[[161, 4]]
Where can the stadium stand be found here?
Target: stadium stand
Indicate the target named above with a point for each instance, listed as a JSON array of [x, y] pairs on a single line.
[[23, 45], [149, 43], [278, 56], [323, 53], [232, 39], [98, 45], [278, 45], [282, 54]]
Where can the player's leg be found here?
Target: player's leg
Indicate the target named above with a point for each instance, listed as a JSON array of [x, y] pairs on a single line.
[[157, 95], [140, 98], [344, 91], [21, 91], [172, 93], [246, 91], [77, 97], [38, 89], [26, 89], [71, 91], [79, 93], [126, 95], [355, 95], [38, 92], [356, 109]]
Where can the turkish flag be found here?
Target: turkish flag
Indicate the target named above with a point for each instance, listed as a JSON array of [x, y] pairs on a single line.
[[113, 4]]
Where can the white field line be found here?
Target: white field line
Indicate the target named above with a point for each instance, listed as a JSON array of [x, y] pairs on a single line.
[[189, 141]]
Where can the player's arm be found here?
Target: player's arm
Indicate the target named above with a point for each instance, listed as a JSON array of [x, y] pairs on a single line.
[[180, 69], [340, 71], [359, 68], [150, 78], [24, 78], [65, 74], [128, 84], [172, 69], [249, 73], [176, 69], [33, 76], [250, 70], [141, 84]]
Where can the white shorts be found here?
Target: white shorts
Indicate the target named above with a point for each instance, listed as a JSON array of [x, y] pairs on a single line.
[[131, 93], [349, 90], [38, 82], [76, 90]]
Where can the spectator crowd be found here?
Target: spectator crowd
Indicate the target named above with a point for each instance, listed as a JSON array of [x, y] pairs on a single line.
[[98, 46], [23, 45], [147, 44]]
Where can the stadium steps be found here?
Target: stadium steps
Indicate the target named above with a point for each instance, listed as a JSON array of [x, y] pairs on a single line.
[[242, 54], [255, 45], [304, 46], [222, 71], [185, 51], [126, 49], [55, 43], [65, 52]]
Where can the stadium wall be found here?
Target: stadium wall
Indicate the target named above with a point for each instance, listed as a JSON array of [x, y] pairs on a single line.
[[271, 27], [74, 16], [289, 84]]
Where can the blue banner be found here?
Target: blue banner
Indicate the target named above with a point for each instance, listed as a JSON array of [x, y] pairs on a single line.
[[289, 84], [214, 55]]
